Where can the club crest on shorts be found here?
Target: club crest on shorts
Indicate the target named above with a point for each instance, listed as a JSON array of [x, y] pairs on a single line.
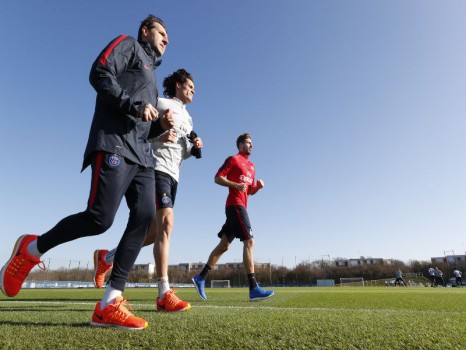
[[114, 161], [165, 199]]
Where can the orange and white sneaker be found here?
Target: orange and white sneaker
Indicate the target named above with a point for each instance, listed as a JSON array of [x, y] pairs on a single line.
[[100, 267], [171, 303], [15, 271], [117, 315]]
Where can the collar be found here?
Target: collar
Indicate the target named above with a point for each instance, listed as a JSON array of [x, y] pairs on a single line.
[[177, 100], [151, 52], [245, 156]]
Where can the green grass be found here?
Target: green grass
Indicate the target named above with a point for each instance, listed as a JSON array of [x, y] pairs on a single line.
[[295, 318]]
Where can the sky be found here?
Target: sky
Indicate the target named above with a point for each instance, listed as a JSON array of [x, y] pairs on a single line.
[[356, 110]]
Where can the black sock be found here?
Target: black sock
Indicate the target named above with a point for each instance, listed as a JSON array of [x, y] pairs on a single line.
[[252, 280], [205, 271]]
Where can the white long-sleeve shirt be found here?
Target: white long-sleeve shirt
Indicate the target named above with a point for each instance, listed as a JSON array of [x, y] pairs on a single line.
[[168, 155]]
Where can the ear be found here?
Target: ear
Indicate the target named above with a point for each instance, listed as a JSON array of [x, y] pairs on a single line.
[[144, 32]]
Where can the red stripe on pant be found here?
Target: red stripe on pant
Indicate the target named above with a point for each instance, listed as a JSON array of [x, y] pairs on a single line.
[[95, 177], [243, 226]]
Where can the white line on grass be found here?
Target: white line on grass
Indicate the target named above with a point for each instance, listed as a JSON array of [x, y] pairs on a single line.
[[431, 312]]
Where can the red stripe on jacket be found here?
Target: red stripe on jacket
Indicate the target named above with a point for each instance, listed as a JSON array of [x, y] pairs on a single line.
[[103, 59]]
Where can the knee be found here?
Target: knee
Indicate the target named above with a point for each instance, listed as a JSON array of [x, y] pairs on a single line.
[[99, 222], [223, 247], [249, 243]]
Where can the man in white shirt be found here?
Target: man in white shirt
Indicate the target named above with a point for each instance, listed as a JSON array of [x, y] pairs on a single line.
[[169, 151]]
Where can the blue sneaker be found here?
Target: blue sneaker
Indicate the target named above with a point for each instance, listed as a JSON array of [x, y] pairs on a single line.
[[259, 293], [199, 283]]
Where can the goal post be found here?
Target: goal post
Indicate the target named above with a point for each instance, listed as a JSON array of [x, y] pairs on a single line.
[[351, 282], [220, 284]]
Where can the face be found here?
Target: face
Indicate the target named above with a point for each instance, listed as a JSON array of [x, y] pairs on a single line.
[[185, 92], [156, 36], [246, 147]]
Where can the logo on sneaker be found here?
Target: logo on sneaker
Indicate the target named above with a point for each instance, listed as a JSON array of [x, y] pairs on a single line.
[[114, 161], [98, 316]]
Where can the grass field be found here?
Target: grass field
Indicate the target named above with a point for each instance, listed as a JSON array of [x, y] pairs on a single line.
[[295, 318]]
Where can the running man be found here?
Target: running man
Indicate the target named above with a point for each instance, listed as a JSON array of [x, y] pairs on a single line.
[[238, 174], [399, 278], [122, 166], [458, 275], [169, 150]]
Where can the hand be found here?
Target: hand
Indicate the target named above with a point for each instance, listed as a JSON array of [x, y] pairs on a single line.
[[241, 187], [148, 113], [167, 120], [169, 136], [260, 184]]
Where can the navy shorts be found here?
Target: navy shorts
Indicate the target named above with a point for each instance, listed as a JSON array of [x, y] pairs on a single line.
[[165, 190], [237, 224]]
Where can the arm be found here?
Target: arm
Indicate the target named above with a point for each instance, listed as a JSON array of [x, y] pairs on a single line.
[[259, 185], [113, 61], [223, 181]]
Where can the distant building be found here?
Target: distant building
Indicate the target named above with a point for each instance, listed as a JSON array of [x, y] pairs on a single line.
[[231, 265], [149, 268], [449, 259], [362, 261]]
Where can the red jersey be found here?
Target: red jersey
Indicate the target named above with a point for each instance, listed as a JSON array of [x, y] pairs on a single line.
[[238, 169]]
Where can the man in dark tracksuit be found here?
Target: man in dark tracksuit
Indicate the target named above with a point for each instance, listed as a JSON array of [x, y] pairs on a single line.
[[122, 165]]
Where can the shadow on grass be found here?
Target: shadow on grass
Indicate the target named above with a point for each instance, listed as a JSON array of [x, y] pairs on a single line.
[[46, 324]]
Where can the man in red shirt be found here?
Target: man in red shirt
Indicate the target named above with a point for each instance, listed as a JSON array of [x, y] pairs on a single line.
[[237, 173]]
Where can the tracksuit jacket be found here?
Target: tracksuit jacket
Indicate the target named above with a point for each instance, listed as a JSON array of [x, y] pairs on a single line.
[[123, 77]]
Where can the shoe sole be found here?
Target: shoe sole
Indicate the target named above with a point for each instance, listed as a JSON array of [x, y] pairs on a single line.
[[95, 324], [96, 265], [181, 310], [197, 290], [262, 298], [13, 254]]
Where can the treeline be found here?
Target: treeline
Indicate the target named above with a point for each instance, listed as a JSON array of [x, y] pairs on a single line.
[[303, 274]]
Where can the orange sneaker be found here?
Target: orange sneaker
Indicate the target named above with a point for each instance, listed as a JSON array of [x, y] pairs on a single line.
[[171, 303], [15, 271], [117, 315], [100, 267]]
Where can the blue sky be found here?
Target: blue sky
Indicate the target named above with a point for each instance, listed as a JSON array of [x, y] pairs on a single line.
[[356, 109]]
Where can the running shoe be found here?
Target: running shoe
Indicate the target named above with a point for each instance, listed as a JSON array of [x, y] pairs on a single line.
[[171, 303], [199, 284], [117, 315], [259, 293], [100, 267], [15, 271]]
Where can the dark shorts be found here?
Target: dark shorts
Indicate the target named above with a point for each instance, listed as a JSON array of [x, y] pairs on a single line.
[[237, 224], [165, 190]]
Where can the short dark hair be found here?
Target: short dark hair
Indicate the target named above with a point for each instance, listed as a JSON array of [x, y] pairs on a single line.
[[169, 83], [148, 23], [242, 138]]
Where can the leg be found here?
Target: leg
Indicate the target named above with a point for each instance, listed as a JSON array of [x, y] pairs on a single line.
[[163, 228], [141, 203], [221, 248], [214, 257], [248, 255], [108, 186]]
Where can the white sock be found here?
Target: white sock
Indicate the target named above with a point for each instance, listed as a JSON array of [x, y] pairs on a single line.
[[163, 286], [109, 295], [110, 256], [32, 249]]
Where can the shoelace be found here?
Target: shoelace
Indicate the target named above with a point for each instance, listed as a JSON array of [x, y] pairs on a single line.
[[172, 299], [21, 267], [121, 311]]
